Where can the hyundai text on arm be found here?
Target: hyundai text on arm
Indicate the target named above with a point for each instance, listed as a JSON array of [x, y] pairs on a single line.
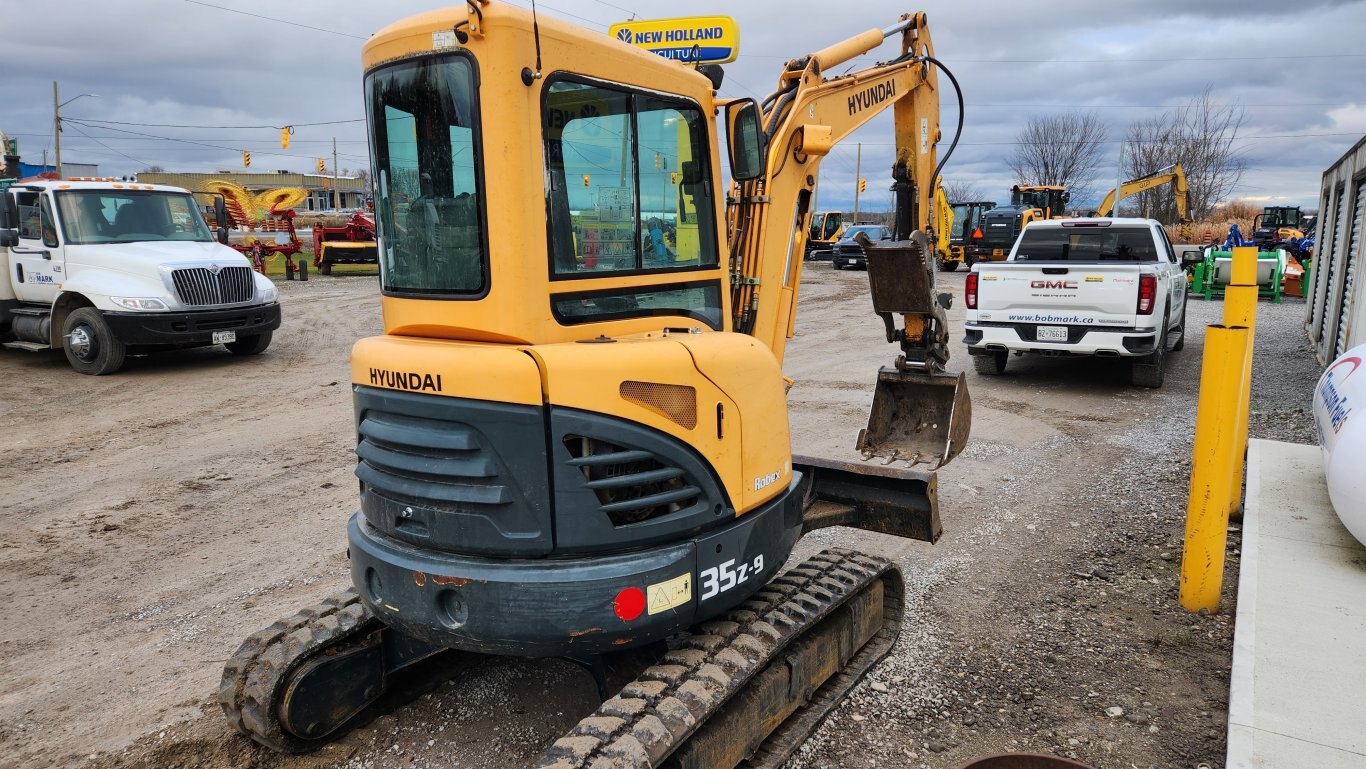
[[102, 269], [1104, 287]]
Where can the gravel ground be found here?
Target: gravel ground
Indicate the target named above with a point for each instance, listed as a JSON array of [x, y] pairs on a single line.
[[1045, 619], [1077, 648]]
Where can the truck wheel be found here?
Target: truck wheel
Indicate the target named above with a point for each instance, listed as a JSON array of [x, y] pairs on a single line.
[[91, 348], [253, 344], [948, 266], [1150, 370], [325, 268], [991, 364]]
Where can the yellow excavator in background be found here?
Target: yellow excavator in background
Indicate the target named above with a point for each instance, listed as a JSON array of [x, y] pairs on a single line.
[[1173, 175], [572, 441], [826, 229], [943, 229]]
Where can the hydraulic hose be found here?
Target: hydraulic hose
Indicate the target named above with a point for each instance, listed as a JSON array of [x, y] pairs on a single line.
[[957, 132]]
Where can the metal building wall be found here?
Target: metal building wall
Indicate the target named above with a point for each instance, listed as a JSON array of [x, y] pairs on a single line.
[[1335, 315]]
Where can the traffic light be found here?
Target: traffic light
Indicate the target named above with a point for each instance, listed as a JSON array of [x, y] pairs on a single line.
[[284, 137], [321, 166], [862, 185], [246, 159]]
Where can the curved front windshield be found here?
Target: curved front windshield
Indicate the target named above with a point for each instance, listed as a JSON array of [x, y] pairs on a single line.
[[428, 202], [129, 216]]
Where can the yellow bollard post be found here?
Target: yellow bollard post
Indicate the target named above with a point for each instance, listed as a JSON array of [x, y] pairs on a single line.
[[1202, 557], [1240, 309]]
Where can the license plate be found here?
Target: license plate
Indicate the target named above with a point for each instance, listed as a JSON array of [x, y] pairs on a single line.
[[1051, 334], [224, 337], [998, 252], [851, 261]]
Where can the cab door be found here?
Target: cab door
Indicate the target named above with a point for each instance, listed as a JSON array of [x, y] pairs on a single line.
[[37, 263]]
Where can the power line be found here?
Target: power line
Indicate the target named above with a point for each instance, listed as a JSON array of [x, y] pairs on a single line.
[[1126, 141], [277, 21], [182, 125], [106, 146], [1102, 61]]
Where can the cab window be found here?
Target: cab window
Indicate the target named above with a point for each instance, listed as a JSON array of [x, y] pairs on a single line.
[[629, 182]]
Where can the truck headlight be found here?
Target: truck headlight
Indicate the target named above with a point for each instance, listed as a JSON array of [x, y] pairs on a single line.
[[140, 304], [267, 291]]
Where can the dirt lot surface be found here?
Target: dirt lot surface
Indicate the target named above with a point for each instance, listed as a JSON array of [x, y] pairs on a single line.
[[157, 517]]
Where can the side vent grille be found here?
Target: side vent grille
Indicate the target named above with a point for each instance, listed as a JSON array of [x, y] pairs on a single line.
[[677, 403], [631, 485]]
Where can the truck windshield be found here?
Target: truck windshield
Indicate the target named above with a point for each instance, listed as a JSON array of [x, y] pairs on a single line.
[[874, 232], [1090, 244], [426, 156], [129, 216]]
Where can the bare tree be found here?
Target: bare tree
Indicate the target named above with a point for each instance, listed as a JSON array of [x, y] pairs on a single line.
[[959, 191], [1064, 149], [360, 173], [1200, 135], [153, 170]]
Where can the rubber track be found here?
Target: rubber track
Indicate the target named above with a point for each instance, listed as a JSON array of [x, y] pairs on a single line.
[[655, 714], [254, 677]]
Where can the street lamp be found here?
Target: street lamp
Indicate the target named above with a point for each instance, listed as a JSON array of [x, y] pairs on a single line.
[[57, 121]]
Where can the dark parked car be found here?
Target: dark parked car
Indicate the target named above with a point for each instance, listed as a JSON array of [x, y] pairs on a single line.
[[847, 252]]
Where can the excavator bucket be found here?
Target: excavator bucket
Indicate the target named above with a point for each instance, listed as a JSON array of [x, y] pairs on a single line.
[[917, 417], [920, 413]]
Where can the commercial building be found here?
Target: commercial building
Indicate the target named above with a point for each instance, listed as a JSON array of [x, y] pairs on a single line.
[[350, 191]]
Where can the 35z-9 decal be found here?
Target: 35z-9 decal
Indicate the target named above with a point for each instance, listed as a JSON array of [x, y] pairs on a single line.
[[719, 579]]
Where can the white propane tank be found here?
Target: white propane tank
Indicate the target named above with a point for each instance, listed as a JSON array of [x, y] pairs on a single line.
[[1340, 413]]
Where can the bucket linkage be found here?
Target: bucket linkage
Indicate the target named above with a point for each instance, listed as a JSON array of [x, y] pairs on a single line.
[[921, 413]]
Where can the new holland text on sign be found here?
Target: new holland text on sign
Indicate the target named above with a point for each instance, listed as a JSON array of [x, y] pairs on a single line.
[[702, 39]]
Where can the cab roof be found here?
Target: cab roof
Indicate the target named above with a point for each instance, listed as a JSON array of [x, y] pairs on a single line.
[[78, 184]]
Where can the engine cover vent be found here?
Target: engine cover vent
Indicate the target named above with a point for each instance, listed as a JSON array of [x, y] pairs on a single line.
[[631, 485], [677, 403]]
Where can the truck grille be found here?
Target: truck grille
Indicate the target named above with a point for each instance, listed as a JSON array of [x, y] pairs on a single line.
[[198, 286]]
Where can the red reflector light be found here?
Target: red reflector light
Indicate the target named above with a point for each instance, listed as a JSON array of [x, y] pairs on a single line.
[[977, 234], [1147, 294], [629, 603], [970, 291]]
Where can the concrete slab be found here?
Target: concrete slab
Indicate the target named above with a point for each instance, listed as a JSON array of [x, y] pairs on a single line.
[[1298, 691]]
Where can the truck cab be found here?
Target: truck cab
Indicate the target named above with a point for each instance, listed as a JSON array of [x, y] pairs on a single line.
[[105, 269]]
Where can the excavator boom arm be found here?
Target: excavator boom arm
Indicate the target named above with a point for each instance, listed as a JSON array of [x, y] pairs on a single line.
[[1174, 175], [803, 120]]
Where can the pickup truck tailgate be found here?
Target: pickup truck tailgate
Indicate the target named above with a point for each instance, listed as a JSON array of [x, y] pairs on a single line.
[[1016, 292]]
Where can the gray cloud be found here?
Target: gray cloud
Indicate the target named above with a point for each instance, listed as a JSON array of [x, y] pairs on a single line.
[[174, 61]]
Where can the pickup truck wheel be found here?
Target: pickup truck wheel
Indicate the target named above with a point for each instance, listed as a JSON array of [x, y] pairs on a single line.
[[991, 364], [253, 344], [1150, 370], [91, 348]]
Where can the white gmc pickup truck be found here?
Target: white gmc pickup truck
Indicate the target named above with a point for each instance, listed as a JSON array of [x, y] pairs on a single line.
[[1104, 287]]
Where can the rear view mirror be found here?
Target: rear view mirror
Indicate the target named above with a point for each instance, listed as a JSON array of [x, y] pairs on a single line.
[[9, 238], [220, 218], [745, 139], [9, 219]]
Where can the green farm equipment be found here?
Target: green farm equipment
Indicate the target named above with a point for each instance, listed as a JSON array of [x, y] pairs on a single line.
[[1212, 273]]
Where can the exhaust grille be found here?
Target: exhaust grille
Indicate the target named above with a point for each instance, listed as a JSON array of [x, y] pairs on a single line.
[[632, 485], [198, 286], [677, 403]]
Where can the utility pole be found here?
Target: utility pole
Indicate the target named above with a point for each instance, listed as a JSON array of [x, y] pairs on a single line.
[[1119, 180], [858, 174], [335, 204], [57, 127], [57, 122]]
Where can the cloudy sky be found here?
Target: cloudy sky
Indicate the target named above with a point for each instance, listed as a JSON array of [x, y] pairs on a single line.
[[1297, 69]]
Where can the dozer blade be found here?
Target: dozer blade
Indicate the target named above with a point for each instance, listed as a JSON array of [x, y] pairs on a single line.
[[917, 417]]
